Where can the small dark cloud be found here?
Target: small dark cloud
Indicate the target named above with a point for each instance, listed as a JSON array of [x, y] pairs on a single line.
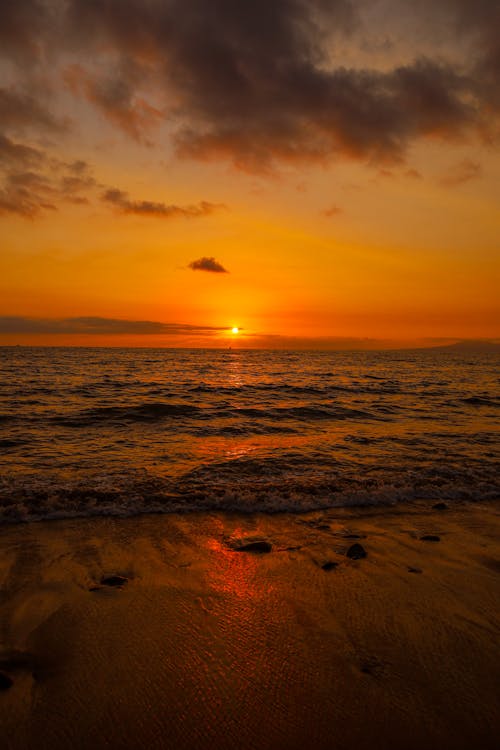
[[414, 174], [465, 171], [98, 325], [207, 264], [332, 211], [120, 200]]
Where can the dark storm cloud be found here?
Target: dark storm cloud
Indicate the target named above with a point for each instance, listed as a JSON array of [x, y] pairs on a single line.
[[121, 201], [252, 82], [259, 82], [95, 325], [207, 264]]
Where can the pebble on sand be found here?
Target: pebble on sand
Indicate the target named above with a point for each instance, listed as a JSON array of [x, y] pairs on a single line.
[[256, 545], [430, 538], [5, 681], [114, 581], [439, 506], [329, 565], [356, 552]]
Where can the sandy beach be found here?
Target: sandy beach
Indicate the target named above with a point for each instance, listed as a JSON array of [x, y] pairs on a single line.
[[205, 646]]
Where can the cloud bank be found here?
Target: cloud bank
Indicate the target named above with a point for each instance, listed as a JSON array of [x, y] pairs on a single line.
[[97, 325], [258, 84]]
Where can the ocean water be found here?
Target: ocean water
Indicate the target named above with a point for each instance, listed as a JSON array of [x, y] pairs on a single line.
[[124, 431]]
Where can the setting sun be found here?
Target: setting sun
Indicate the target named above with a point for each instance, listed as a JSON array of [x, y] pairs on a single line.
[[235, 330]]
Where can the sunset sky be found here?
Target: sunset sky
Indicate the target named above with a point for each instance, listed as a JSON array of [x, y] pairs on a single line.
[[319, 173]]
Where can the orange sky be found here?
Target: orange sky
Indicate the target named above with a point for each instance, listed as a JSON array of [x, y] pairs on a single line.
[[351, 193]]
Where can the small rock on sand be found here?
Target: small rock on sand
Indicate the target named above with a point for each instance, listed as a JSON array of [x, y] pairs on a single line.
[[414, 570], [440, 506], [5, 681], [114, 581], [329, 565], [256, 545], [430, 538], [356, 552]]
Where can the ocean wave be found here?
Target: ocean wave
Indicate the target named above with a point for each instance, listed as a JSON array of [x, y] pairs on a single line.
[[481, 401], [244, 487], [145, 412], [312, 412], [279, 388], [156, 411]]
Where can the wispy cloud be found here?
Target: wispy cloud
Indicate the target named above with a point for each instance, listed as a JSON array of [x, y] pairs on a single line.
[[34, 183], [120, 200], [21, 111], [207, 264], [465, 171], [116, 99], [332, 211], [98, 325]]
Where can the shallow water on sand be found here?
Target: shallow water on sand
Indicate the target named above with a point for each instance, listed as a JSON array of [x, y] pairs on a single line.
[[124, 431]]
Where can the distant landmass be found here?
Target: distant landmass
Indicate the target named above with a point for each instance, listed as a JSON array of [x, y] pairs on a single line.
[[469, 347]]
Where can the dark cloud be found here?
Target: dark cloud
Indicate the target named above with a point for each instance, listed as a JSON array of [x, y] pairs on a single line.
[[96, 325], [254, 82], [121, 201], [24, 29], [17, 162], [26, 194], [465, 171], [115, 98], [482, 19], [207, 264], [19, 111], [32, 182], [259, 83], [18, 154]]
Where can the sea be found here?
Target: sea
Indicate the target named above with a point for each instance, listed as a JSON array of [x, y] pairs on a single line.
[[117, 431]]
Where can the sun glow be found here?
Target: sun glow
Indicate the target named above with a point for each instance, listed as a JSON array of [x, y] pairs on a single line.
[[235, 330]]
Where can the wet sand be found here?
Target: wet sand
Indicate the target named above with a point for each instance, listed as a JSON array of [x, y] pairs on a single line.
[[204, 646]]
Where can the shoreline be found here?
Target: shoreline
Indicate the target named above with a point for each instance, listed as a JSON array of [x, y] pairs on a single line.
[[206, 646]]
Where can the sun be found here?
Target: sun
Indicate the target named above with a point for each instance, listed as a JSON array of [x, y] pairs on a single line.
[[235, 330]]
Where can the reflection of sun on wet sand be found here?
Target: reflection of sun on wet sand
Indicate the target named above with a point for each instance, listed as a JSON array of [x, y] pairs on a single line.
[[252, 631]]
